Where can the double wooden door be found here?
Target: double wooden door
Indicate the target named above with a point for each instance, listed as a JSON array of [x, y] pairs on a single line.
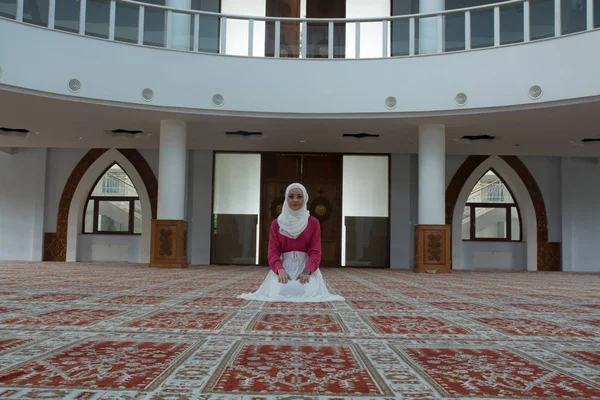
[[321, 174]]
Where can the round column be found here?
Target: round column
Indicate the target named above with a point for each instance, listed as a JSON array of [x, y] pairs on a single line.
[[428, 26], [172, 170], [181, 25], [432, 175]]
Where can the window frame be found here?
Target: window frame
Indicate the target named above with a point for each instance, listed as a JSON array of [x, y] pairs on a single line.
[[97, 199], [508, 206]]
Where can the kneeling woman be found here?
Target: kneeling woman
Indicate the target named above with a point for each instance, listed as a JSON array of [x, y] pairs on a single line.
[[294, 255]]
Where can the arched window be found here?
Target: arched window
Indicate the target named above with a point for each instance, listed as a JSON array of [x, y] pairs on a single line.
[[113, 205], [491, 212]]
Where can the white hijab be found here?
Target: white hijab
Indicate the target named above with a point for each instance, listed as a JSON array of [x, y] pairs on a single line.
[[292, 223]]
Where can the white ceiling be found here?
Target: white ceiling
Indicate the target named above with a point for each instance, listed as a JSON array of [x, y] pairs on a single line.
[[60, 123]]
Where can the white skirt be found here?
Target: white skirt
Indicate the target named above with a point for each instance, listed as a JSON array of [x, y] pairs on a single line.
[[315, 291]]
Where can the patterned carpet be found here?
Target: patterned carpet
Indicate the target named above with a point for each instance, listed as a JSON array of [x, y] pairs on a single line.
[[123, 331]]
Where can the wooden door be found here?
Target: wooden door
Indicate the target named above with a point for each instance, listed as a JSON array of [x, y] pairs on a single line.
[[321, 174], [290, 31]]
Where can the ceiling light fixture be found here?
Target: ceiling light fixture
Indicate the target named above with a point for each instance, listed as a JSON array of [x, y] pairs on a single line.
[[362, 136], [132, 134], [244, 135], [17, 132], [468, 139]]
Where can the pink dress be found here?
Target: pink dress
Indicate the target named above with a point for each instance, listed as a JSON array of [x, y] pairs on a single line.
[[294, 255], [308, 242]]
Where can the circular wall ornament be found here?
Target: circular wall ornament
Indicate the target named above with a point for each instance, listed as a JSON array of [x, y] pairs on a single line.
[[535, 92], [218, 100], [320, 208], [391, 102], [461, 99], [148, 94], [75, 85]]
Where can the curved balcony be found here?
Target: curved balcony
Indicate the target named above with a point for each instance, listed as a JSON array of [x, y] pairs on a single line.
[[500, 55], [493, 25]]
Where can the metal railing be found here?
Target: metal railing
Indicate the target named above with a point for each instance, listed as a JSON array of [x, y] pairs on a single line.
[[389, 36], [491, 192], [111, 185]]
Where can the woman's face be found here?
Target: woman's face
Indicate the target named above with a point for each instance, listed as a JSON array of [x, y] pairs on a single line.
[[295, 199]]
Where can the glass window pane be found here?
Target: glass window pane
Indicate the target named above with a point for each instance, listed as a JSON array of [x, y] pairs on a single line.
[[208, 34], [115, 182], [8, 8], [126, 23], [515, 224], [596, 13], [466, 224], [490, 189], [237, 34], [573, 16], [454, 25], [400, 28], [182, 31], [97, 15], [35, 12], [88, 226], [365, 211], [541, 19], [113, 216], [511, 24], [67, 15], [400, 38], [482, 28], [490, 223], [137, 217], [236, 208], [154, 27]]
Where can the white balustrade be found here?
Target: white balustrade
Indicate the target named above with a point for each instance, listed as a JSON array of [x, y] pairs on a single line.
[[361, 45]]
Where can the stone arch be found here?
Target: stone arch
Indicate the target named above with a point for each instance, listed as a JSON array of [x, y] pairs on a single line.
[[541, 255], [62, 245]]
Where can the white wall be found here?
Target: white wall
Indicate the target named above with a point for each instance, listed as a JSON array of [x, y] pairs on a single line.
[[494, 256], [401, 202], [22, 190], [424, 83], [491, 255], [61, 163], [120, 248], [549, 177], [547, 174], [580, 214], [200, 174]]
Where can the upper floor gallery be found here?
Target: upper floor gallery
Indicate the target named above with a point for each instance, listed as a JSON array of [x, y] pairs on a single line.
[[313, 57]]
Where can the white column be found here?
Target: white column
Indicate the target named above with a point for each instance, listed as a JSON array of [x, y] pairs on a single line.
[[428, 27], [181, 25], [432, 175], [172, 170]]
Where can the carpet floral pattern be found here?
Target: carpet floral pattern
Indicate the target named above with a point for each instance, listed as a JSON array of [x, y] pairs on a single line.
[[124, 331]]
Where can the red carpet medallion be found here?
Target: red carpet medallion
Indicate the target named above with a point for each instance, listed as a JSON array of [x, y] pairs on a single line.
[[123, 331]]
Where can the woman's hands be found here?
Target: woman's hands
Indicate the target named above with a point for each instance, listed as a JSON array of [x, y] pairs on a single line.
[[284, 277], [304, 277]]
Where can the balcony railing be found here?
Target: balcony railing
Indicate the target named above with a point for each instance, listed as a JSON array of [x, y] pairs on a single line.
[[112, 185], [494, 25]]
